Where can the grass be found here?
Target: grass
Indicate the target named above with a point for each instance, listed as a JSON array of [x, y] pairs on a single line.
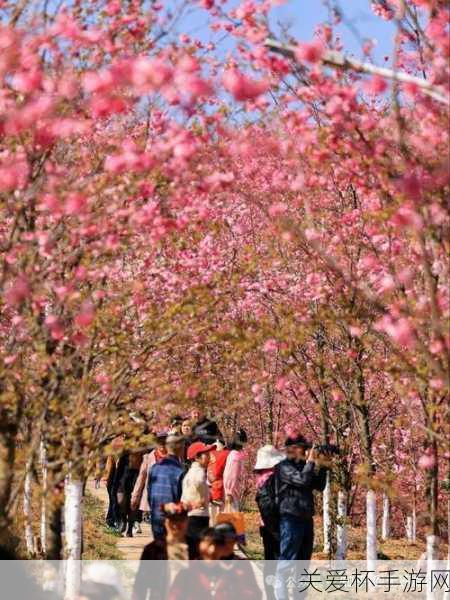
[[99, 542]]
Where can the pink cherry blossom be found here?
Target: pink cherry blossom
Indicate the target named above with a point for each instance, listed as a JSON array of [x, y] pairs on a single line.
[[18, 292], [75, 204], [310, 52], [426, 461], [400, 330], [86, 315], [270, 346], [242, 87]]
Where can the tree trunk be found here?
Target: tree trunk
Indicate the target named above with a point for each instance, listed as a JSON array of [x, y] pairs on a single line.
[[341, 529], [28, 519], [409, 529], [7, 459], [73, 535], [43, 521], [326, 517], [371, 511], [385, 524], [432, 557], [434, 490]]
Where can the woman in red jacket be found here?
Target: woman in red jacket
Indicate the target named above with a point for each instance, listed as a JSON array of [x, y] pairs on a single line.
[[216, 467]]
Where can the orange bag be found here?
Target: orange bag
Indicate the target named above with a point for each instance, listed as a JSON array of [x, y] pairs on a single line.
[[237, 519]]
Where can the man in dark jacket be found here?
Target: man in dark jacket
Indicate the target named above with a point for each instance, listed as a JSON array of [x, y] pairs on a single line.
[[204, 430], [297, 480]]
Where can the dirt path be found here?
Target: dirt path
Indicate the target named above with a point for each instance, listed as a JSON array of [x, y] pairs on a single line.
[[131, 548]]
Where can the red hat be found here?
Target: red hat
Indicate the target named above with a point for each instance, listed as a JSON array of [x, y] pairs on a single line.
[[197, 448]]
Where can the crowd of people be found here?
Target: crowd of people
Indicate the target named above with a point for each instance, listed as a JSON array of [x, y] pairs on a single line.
[[190, 462], [190, 476]]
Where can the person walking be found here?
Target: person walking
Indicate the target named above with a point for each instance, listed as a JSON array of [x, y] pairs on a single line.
[[118, 493], [266, 498], [164, 483], [139, 499], [296, 480], [216, 468], [233, 471], [175, 424], [186, 431], [131, 515], [267, 458], [204, 429], [195, 489], [108, 476]]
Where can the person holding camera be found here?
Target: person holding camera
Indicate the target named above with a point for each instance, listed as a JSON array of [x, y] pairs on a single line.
[[297, 479]]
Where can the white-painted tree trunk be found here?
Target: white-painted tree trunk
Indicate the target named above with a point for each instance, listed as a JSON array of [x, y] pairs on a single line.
[[326, 517], [447, 592], [409, 528], [29, 539], [43, 524], [73, 531], [432, 557], [385, 524], [341, 528], [371, 539]]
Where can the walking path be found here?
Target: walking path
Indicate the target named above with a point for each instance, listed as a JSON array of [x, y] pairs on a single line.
[[131, 548]]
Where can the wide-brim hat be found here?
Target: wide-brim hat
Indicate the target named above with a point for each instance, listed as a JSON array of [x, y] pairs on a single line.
[[268, 457]]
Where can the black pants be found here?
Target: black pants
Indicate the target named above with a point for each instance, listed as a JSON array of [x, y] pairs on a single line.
[[196, 526], [129, 516], [271, 544], [111, 516]]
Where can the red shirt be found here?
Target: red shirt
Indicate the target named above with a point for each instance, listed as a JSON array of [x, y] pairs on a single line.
[[216, 467]]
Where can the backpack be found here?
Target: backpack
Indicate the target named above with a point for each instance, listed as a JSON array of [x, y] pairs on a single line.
[[267, 499]]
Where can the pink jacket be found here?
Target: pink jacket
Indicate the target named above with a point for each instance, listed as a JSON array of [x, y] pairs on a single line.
[[139, 496], [232, 475]]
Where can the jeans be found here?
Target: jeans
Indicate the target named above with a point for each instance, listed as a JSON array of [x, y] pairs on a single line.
[[296, 543], [158, 529]]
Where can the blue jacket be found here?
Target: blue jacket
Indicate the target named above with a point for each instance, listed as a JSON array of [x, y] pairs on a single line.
[[164, 485]]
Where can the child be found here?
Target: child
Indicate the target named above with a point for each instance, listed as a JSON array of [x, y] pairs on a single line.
[[195, 489]]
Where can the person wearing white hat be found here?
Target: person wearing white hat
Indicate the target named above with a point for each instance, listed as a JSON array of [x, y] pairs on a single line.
[[267, 459]]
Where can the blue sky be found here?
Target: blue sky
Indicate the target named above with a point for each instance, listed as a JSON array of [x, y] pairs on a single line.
[[359, 23]]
